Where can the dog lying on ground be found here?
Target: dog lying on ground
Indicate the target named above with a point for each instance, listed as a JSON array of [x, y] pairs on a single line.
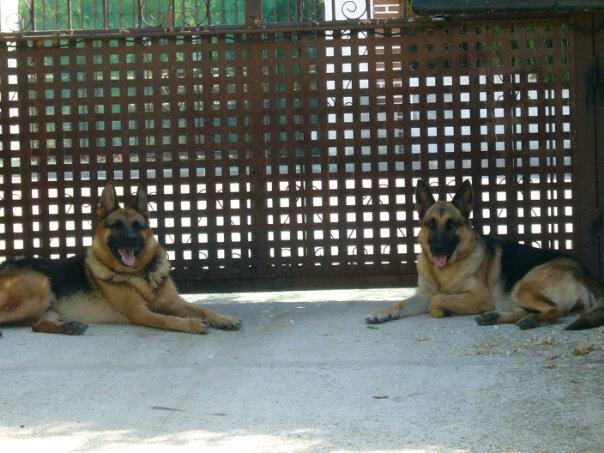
[[123, 278], [463, 272]]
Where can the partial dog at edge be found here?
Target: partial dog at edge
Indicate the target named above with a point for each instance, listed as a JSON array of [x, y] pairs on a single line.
[[463, 272], [123, 278]]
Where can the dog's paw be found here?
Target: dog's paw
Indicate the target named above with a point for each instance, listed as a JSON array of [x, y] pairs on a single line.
[[199, 326], [528, 322], [436, 311], [74, 328], [487, 319], [225, 322], [379, 317]]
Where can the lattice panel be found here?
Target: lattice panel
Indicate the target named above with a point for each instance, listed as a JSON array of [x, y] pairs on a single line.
[[369, 114], [289, 155]]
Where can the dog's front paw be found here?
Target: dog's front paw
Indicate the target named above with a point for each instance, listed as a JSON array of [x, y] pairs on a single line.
[[74, 328], [528, 322], [199, 326], [435, 307], [225, 322], [379, 317], [489, 318]]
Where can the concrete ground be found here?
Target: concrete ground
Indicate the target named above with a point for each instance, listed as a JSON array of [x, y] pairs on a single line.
[[305, 374]]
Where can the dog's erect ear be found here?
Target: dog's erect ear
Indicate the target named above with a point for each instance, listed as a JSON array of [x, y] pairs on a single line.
[[108, 202], [138, 202], [464, 198], [423, 198]]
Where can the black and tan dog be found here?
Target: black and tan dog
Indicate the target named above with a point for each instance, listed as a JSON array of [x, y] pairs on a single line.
[[123, 278], [463, 272]]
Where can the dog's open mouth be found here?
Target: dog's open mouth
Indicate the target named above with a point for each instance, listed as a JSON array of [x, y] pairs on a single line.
[[128, 256], [440, 260]]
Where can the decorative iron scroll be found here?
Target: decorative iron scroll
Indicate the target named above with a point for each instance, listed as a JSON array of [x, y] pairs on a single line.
[[350, 9]]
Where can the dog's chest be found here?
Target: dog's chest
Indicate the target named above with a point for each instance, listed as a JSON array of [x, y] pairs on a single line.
[[455, 279], [450, 282]]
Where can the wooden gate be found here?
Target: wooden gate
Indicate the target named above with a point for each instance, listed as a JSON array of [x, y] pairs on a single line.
[[287, 156]]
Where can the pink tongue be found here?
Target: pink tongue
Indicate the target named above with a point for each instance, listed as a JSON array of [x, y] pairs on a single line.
[[128, 257], [440, 260]]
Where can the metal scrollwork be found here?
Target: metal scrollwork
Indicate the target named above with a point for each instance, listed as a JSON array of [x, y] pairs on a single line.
[[350, 9], [305, 13], [186, 15], [154, 17], [14, 22], [195, 16], [18, 21]]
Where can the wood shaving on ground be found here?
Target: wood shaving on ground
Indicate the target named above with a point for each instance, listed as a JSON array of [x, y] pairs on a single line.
[[549, 341], [583, 349]]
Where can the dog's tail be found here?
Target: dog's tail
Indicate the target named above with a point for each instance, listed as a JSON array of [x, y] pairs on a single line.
[[594, 318]]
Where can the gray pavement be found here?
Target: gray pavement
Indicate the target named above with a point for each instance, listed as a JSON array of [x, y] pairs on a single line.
[[305, 374]]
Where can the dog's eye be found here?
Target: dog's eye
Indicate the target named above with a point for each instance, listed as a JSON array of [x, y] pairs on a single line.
[[137, 226], [117, 225], [431, 224], [451, 225]]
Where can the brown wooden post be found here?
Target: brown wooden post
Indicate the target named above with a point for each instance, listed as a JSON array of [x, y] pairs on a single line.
[[598, 86], [253, 12], [589, 188]]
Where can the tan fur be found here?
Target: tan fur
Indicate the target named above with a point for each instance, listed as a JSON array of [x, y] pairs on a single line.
[[471, 282], [24, 296], [551, 291], [91, 308], [143, 294]]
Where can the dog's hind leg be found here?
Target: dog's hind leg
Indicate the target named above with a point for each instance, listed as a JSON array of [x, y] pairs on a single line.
[[50, 322], [550, 291], [547, 311], [535, 320], [24, 296]]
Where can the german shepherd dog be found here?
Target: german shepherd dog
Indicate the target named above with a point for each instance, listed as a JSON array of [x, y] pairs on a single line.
[[123, 278], [463, 272]]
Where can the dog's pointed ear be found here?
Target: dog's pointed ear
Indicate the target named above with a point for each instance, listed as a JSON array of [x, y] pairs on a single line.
[[464, 198], [139, 202], [423, 198], [108, 202]]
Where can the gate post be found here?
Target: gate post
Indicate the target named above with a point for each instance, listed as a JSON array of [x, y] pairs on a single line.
[[598, 79], [253, 12], [589, 155]]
